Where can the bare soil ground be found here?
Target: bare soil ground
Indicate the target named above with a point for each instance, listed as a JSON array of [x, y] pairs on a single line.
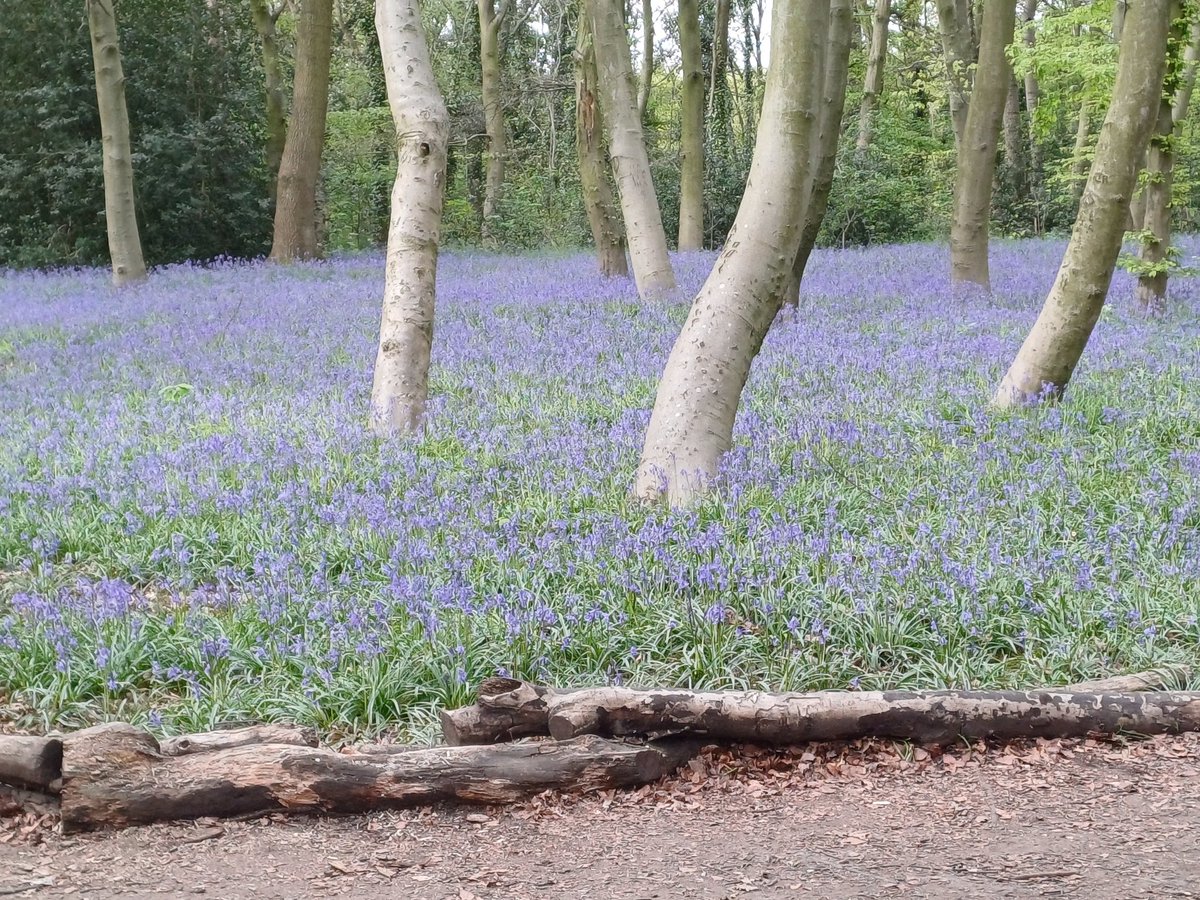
[[1051, 819]]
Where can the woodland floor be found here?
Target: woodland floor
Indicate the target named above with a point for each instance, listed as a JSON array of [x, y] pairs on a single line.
[[1060, 819]]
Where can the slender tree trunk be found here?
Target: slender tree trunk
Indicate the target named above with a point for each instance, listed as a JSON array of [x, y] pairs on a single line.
[[264, 23], [873, 86], [493, 112], [1032, 98], [598, 200], [717, 87], [692, 423], [647, 60], [401, 382], [1079, 162], [833, 103], [958, 46], [1155, 251], [120, 208], [691, 143], [1015, 175], [1049, 355], [627, 149], [977, 148], [300, 167]]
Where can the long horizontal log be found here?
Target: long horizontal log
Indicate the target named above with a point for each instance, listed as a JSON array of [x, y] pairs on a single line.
[[32, 763], [507, 708], [115, 776], [207, 741], [923, 716]]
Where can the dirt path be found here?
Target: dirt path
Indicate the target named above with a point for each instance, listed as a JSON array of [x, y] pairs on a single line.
[[1062, 820]]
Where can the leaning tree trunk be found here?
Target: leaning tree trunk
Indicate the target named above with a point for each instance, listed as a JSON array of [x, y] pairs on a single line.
[[490, 20], [833, 102], [1155, 251], [691, 426], [598, 200], [691, 141], [265, 19], [300, 167], [958, 49], [401, 382], [639, 204], [976, 164], [1049, 355], [120, 209], [873, 86], [647, 78]]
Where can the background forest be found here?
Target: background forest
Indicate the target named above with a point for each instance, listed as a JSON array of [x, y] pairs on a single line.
[[195, 90]]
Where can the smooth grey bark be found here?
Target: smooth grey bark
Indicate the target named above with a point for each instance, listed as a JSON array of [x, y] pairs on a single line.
[[265, 19], [958, 49], [598, 201], [873, 85], [833, 104], [120, 207], [1151, 291], [691, 426], [490, 20], [401, 382], [976, 159], [1048, 357], [627, 149], [691, 140], [647, 76], [300, 167]]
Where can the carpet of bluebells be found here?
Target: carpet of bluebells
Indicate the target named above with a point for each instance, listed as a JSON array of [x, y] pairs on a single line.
[[196, 526]]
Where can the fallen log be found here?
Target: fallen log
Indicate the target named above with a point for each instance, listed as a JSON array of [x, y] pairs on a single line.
[[506, 709], [31, 763], [114, 776], [207, 741], [1166, 678], [934, 717]]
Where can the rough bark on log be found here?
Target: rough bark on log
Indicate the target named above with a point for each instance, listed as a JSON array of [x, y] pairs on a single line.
[[506, 709], [114, 776], [1167, 678], [207, 741], [922, 716], [32, 763]]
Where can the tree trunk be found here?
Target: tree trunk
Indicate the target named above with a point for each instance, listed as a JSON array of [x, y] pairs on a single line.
[[647, 60], [933, 717], [401, 382], [639, 204], [958, 47], [1049, 355], [976, 164], [1032, 98], [31, 763], [691, 426], [264, 23], [691, 141], [507, 709], [593, 176], [873, 86], [300, 167], [717, 87], [1079, 163], [833, 103], [120, 208], [1014, 174], [490, 21], [1151, 292], [114, 775]]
